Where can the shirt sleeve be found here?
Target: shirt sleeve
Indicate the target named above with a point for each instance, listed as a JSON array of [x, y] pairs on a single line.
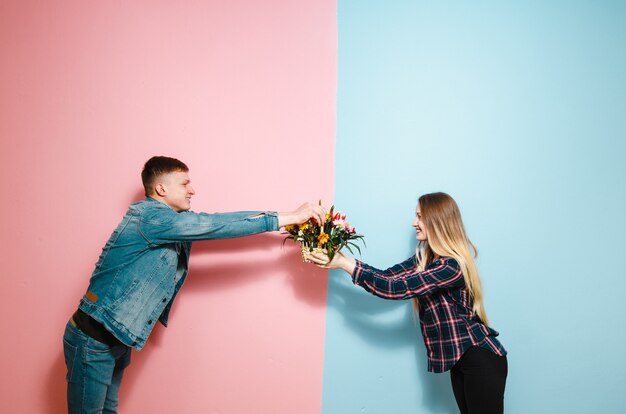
[[403, 281], [168, 226]]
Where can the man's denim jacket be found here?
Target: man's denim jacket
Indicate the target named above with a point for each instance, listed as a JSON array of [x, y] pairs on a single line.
[[133, 284]]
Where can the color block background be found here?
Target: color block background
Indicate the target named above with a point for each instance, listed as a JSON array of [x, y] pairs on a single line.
[[514, 108], [517, 110], [240, 91]]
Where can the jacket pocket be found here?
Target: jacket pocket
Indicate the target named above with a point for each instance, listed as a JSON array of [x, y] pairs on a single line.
[[125, 294]]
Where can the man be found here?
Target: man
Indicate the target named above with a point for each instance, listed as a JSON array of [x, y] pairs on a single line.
[[140, 270]]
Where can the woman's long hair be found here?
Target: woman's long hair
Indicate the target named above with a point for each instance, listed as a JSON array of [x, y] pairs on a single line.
[[446, 237]]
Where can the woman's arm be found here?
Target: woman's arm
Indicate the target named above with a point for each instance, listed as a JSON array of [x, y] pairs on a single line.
[[444, 273], [401, 281]]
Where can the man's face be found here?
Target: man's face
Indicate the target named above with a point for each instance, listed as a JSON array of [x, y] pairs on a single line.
[[178, 190]]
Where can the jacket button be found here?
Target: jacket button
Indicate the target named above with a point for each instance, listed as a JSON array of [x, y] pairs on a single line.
[[164, 299], [150, 322], [134, 343]]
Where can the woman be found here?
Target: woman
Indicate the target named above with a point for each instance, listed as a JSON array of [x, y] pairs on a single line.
[[443, 281]]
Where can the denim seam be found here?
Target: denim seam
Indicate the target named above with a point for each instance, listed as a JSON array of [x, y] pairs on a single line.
[[113, 240], [74, 349], [142, 232], [83, 385], [91, 350], [75, 331]]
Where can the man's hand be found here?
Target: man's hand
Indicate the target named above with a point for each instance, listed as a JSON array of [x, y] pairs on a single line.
[[302, 214]]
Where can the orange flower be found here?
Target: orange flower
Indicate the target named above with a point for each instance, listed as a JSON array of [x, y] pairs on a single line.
[[322, 238]]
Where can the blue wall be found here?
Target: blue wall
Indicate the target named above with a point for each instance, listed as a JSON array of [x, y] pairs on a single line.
[[518, 110]]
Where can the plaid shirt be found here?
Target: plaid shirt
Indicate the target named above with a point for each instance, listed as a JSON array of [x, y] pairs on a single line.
[[449, 325]]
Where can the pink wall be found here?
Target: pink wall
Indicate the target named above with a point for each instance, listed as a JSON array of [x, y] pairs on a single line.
[[242, 91]]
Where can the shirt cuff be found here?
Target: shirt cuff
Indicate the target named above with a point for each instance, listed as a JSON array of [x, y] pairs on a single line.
[[356, 273]]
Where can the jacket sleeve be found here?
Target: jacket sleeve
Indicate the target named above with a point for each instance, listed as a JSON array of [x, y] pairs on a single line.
[[166, 226], [403, 281]]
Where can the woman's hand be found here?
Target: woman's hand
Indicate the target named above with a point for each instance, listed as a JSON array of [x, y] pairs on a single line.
[[340, 260]]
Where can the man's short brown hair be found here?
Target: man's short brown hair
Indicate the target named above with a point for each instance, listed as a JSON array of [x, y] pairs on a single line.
[[157, 166]]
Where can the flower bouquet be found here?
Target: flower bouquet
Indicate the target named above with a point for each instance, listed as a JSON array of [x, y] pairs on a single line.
[[333, 235]]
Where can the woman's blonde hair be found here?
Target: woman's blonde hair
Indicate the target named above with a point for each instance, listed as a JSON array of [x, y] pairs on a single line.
[[446, 237]]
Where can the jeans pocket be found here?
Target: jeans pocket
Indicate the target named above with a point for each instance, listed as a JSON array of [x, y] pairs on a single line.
[[95, 346], [74, 334], [69, 352]]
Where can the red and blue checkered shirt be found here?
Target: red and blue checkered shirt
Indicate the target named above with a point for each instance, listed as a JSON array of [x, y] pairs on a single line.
[[449, 325]]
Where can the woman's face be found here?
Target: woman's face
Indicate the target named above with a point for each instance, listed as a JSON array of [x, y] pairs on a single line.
[[420, 230]]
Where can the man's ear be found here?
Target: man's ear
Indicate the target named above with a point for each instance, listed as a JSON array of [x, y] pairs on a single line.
[[159, 189]]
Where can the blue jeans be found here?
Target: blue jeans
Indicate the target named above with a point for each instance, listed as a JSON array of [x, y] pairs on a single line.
[[94, 372]]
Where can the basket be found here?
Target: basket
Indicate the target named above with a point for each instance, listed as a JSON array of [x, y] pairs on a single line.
[[306, 249]]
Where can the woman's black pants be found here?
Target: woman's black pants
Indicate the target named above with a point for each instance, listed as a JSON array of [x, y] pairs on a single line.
[[478, 381]]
